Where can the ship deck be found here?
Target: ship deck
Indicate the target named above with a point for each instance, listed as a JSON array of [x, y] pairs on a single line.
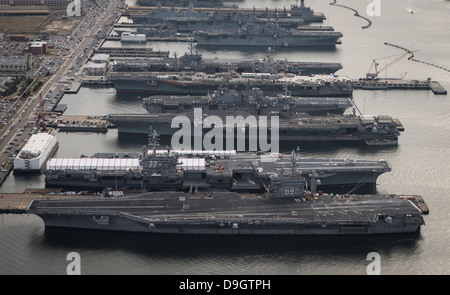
[[177, 207], [302, 122]]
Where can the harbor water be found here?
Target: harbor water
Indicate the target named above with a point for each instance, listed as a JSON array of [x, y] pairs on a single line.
[[420, 164]]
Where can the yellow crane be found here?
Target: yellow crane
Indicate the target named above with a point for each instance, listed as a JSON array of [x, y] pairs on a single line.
[[375, 64]]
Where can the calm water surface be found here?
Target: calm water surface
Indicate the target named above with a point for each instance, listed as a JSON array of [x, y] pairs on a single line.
[[420, 166]]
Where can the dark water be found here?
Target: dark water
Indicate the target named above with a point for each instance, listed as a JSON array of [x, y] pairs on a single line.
[[420, 166]]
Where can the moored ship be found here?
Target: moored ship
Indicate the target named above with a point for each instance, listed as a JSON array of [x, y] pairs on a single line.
[[371, 130], [188, 83], [227, 213], [252, 101], [195, 62], [230, 197], [270, 34], [188, 170]]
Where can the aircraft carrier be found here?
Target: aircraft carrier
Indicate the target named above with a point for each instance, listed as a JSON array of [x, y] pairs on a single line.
[[194, 61], [227, 196], [184, 170], [227, 213], [372, 130], [189, 83]]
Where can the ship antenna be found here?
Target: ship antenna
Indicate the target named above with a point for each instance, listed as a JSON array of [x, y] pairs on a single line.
[[153, 140]]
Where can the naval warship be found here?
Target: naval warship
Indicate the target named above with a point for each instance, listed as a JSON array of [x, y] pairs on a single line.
[[187, 170], [253, 102], [200, 83], [160, 14], [305, 13], [183, 3], [285, 211], [194, 61], [270, 34], [190, 21], [230, 197], [296, 11], [379, 130]]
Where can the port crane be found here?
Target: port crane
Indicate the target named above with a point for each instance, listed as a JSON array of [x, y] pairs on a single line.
[[375, 64]]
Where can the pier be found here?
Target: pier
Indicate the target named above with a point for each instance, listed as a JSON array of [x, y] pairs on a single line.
[[79, 124], [74, 88], [393, 84], [157, 39], [115, 52], [437, 88]]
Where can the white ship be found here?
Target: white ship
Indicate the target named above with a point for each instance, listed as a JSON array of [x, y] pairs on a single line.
[[35, 153], [133, 38]]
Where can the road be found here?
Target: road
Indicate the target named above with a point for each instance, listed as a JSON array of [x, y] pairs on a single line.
[[29, 110]]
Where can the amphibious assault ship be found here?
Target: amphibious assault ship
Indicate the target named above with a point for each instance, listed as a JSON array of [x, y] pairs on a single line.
[[191, 21], [194, 61], [231, 197], [270, 34], [189, 83], [253, 102]]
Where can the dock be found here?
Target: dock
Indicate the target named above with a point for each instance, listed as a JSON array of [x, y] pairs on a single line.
[[393, 84], [79, 124], [115, 52], [157, 39], [74, 88], [437, 88]]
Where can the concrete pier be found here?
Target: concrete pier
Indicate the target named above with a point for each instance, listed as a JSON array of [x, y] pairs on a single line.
[[393, 84]]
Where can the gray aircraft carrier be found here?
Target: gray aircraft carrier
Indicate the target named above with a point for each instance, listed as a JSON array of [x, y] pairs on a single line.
[[189, 83], [224, 213], [371, 130]]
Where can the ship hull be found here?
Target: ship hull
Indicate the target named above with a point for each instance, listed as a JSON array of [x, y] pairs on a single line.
[[232, 214], [125, 225], [255, 40], [168, 87], [135, 126]]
